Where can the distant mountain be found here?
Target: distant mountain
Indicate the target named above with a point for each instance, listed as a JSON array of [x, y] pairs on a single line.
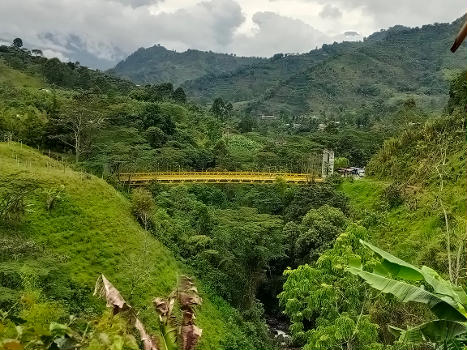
[[384, 69], [380, 71], [158, 65], [388, 67]]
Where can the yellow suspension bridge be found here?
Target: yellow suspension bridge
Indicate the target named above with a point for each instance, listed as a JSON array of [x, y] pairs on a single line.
[[137, 179]]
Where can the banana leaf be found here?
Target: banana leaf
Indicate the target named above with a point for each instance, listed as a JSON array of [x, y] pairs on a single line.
[[437, 331], [442, 306], [392, 266]]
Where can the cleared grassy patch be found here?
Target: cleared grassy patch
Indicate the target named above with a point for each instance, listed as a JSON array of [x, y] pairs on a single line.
[[414, 230], [18, 79]]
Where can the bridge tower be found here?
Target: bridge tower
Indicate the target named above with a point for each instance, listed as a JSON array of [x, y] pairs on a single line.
[[328, 163]]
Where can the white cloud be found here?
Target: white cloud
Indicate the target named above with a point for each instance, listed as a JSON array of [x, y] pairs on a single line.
[[277, 33], [379, 14], [110, 29], [51, 54], [330, 11], [137, 3], [100, 32]]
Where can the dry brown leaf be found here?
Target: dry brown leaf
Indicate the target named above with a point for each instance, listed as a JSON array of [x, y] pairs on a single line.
[[148, 341], [190, 336], [189, 300], [163, 306], [113, 298]]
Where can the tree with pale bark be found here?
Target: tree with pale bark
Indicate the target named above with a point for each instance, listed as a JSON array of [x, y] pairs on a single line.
[[77, 123]]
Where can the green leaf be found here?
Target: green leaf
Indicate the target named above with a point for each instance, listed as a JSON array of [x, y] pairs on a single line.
[[395, 331], [442, 306], [169, 337], [437, 331], [395, 266], [59, 330], [441, 286], [355, 261]]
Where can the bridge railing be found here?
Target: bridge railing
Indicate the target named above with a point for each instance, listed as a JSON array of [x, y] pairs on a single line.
[[227, 173], [135, 179]]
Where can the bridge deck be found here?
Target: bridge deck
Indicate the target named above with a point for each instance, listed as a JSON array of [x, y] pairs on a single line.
[[215, 177]]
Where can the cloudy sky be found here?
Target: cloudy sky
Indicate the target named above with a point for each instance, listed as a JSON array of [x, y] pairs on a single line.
[[101, 32]]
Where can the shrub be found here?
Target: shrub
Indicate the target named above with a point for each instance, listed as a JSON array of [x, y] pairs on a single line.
[[393, 195], [13, 207], [142, 206], [53, 196]]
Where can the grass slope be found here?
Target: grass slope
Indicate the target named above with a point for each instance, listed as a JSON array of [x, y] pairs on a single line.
[[11, 76], [415, 229], [90, 231]]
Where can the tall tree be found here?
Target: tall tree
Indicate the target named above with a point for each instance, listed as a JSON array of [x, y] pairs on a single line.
[[246, 124], [221, 109], [179, 95], [77, 122], [18, 43]]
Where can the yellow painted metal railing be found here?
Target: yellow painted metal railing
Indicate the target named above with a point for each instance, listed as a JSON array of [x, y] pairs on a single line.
[[215, 177]]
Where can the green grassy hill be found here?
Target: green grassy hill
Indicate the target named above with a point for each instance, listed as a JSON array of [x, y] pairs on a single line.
[[413, 230], [18, 79], [90, 230], [415, 196]]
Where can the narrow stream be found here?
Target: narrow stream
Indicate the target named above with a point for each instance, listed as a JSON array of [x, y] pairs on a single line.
[[279, 327]]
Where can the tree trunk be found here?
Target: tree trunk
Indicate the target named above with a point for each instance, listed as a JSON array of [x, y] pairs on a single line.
[[77, 147]]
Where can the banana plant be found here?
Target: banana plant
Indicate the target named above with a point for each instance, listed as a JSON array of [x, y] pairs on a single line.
[[174, 336], [409, 283], [188, 333]]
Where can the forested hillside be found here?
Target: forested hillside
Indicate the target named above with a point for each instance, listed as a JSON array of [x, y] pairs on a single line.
[[387, 67], [342, 81], [157, 65], [250, 82], [157, 127]]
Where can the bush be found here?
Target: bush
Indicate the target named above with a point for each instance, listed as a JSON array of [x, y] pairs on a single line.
[[13, 206], [393, 195], [142, 206]]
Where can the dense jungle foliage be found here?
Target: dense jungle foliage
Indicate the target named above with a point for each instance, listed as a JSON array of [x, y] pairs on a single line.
[[263, 258]]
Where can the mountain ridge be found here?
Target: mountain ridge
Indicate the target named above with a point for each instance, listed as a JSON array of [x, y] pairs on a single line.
[[396, 51], [157, 64], [385, 68]]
